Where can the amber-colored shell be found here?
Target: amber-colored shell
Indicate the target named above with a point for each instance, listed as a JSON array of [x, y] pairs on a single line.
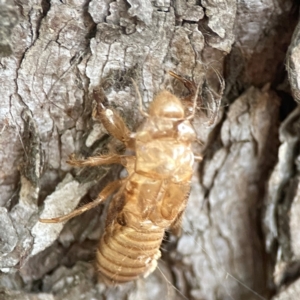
[[154, 194], [153, 197]]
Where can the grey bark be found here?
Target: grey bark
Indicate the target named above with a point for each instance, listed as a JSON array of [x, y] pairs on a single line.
[[240, 230]]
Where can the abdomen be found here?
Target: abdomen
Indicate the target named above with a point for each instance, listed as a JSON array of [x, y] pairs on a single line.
[[125, 254], [135, 226]]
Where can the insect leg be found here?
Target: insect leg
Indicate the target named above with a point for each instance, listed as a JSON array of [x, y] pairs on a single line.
[[96, 160], [107, 191], [113, 122], [126, 161], [175, 227]]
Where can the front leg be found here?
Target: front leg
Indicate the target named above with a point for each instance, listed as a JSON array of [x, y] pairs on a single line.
[[112, 121]]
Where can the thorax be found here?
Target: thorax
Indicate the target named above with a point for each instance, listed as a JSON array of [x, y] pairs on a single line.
[[163, 149]]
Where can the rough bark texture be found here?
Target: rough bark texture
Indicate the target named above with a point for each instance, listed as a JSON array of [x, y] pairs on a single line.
[[240, 237]]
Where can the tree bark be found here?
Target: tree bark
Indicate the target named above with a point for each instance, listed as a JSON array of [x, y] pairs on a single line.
[[240, 230]]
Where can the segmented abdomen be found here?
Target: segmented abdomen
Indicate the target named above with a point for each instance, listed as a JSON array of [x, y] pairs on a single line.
[[125, 254]]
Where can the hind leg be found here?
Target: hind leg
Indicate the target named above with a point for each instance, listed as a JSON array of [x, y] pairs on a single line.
[[104, 194]]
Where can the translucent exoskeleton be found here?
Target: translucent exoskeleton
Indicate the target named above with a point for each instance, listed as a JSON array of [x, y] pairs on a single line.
[[153, 197]]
